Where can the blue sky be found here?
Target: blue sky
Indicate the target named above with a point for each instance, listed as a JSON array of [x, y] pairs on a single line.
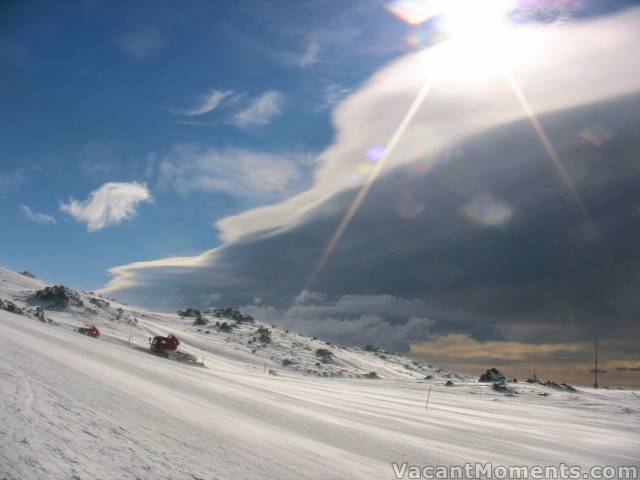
[[203, 153], [98, 92]]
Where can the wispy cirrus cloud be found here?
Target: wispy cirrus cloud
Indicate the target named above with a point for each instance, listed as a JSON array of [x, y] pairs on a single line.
[[239, 173], [261, 111], [310, 55], [245, 112], [208, 103], [11, 181], [332, 94], [141, 43], [41, 218], [112, 203]]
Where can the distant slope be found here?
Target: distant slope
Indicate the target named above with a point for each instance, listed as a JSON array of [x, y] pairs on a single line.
[[239, 341]]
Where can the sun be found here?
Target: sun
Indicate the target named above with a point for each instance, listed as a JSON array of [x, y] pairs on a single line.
[[475, 20], [480, 36]]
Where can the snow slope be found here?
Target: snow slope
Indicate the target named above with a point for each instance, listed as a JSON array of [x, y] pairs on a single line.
[[74, 407]]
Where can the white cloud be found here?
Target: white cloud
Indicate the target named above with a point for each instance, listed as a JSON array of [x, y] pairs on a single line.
[[209, 103], [310, 55], [41, 218], [236, 172], [110, 204], [261, 110], [141, 43]]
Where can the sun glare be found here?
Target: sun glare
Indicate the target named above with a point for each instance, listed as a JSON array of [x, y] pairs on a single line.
[[480, 37], [475, 21]]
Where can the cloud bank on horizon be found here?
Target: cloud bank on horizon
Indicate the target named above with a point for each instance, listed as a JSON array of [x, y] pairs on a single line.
[[441, 229]]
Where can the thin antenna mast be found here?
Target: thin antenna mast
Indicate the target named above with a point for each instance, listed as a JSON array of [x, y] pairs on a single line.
[[595, 370]]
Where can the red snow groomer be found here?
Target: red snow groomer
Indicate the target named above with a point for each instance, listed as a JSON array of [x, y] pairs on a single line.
[[161, 345], [167, 347], [91, 331]]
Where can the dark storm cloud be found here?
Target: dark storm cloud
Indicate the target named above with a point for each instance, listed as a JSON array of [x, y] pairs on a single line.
[[524, 254]]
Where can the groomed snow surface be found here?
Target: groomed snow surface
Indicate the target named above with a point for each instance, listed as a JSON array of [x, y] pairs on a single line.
[[74, 407]]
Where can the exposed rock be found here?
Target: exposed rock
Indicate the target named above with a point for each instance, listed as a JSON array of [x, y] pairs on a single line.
[[10, 307], [225, 327], [40, 314], [502, 387], [200, 321], [371, 375], [325, 355], [58, 296], [449, 384], [193, 313], [231, 313], [551, 384], [264, 334], [190, 312], [559, 386], [98, 302], [492, 375], [27, 273]]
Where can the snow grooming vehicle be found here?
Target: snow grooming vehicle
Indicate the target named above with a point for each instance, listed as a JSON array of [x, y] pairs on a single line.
[[91, 331], [163, 345], [167, 347]]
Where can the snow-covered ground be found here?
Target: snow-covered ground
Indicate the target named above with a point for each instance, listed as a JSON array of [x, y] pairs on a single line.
[[74, 407]]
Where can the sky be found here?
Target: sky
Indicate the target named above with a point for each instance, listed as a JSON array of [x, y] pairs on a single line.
[[459, 184]]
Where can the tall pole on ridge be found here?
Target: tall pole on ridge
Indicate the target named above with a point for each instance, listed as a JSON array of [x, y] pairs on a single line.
[[595, 370]]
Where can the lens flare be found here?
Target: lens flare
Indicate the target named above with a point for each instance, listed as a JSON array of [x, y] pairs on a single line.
[[375, 153], [597, 135], [414, 12], [487, 211]]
